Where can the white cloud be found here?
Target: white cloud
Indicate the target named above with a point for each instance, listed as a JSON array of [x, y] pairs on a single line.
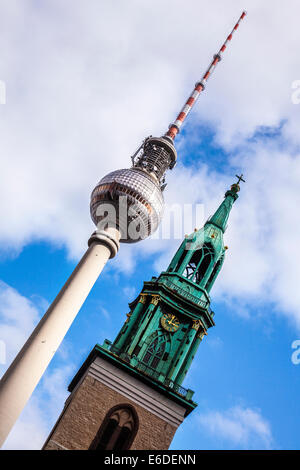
[[129, 292], [84, 85], [41, 412], [29, 432], [18, 317], [105, 312], [262, 262], [241, 427], [214, 342]]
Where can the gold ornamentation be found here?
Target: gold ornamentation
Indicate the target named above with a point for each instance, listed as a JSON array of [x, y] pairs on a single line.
[[143, 298], [201, 334], [128, 315], [155, 299], [170, 322], [196, 324], [213, 233]]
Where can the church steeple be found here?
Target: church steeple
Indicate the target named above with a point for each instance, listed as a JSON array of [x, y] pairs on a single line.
[[172, 314], [220, 217], [201, 254], [132, 387]]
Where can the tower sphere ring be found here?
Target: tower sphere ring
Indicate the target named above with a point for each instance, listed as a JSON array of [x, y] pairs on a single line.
[[129, 199]]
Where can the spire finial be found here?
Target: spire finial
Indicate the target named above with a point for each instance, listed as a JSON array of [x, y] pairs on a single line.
[[240, 178], [235, 187]]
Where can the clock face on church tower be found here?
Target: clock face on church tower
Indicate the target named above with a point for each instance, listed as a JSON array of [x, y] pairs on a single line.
[[170, 322]]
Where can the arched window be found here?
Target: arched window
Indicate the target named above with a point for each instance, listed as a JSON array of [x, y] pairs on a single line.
[[199, 263], [181, 259], [155, 351], [214, 273], [118, 429]]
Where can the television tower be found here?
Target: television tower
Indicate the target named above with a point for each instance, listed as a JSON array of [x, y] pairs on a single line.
[[126, 206]]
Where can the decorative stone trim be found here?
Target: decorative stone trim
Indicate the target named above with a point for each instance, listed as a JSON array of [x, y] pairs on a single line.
[[143, 298], [137, 391], [128, 315], [196, 324], [155, 299]]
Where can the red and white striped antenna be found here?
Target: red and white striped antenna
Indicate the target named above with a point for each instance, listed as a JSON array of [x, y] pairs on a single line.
[[174, 128]]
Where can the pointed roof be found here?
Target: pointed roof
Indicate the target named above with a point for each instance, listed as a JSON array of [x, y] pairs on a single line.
[[220, 217]]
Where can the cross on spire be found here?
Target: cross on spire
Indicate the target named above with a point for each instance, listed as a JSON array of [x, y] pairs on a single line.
[[240, 178]]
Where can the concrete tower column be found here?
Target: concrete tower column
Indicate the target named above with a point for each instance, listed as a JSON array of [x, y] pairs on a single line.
[[26, 370]]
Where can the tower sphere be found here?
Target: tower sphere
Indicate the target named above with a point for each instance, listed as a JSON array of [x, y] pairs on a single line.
[[130, 199]]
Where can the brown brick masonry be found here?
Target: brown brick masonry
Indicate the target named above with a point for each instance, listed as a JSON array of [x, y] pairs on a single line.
[[85, 410]]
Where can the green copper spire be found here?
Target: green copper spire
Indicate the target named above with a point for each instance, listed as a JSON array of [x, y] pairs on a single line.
[[172, 314], [220, 217]]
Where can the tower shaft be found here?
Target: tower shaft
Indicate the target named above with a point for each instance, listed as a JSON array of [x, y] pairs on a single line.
[[21, 378]]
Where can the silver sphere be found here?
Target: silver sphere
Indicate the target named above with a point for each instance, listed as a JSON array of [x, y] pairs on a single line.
[[131, 200]]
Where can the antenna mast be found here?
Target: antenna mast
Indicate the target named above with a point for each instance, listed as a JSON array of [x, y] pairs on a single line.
[[174, 128]]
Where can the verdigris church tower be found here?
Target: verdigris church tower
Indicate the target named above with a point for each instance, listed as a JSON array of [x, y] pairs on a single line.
[[128, 394]]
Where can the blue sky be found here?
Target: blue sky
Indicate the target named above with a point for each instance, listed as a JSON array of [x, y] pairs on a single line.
[[58, 138]]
